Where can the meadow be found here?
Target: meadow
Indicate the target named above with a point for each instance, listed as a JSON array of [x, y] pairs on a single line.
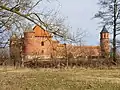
[[59, 79]]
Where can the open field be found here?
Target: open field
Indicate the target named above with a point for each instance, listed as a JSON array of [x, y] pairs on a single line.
[[59, 79]]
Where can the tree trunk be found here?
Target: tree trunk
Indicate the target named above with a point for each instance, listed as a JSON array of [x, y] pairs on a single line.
[[66, 55], [114, 31]]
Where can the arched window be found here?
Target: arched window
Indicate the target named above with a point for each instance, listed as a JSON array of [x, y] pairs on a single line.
[[42, 43]]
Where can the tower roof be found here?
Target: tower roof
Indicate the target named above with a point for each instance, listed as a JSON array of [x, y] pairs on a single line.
[[104, 30]]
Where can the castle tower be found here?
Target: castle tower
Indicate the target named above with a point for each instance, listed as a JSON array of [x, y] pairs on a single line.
[[37, 43], [104, 42]]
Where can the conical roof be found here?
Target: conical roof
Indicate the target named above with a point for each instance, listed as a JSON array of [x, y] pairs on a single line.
[[104, 30]]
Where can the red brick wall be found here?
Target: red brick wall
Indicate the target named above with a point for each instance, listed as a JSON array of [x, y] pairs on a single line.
[[33, 41], [105, 44]]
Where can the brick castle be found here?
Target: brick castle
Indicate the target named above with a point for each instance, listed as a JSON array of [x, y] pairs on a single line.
[[39, 43]]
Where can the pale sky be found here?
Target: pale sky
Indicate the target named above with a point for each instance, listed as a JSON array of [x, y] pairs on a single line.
[[79, 14]]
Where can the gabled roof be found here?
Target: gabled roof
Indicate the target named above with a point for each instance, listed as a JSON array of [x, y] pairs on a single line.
[[39, 32], [104, 30]]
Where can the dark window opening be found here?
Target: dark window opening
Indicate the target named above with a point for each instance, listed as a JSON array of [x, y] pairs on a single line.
[[42, 43], [42, 51]]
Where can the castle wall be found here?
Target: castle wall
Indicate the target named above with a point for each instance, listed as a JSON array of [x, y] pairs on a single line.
[[38, 43], [28, 43]]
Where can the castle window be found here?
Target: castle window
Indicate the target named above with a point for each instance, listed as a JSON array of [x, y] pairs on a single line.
[[107, 42], [42, 43], [42, 51]]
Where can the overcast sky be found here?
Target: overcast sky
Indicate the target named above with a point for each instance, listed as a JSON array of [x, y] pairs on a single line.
[[79, 14]]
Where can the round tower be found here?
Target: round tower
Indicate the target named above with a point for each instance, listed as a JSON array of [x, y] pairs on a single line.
[[104, 42]]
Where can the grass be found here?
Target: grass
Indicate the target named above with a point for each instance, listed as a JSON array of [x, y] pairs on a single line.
[[59, 79]]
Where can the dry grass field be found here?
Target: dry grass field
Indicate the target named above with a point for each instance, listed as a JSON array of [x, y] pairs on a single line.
[[59, 79]]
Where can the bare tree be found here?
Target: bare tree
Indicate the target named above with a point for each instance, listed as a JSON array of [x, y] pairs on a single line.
[[72, 46], [14, 14], [109, 13]]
